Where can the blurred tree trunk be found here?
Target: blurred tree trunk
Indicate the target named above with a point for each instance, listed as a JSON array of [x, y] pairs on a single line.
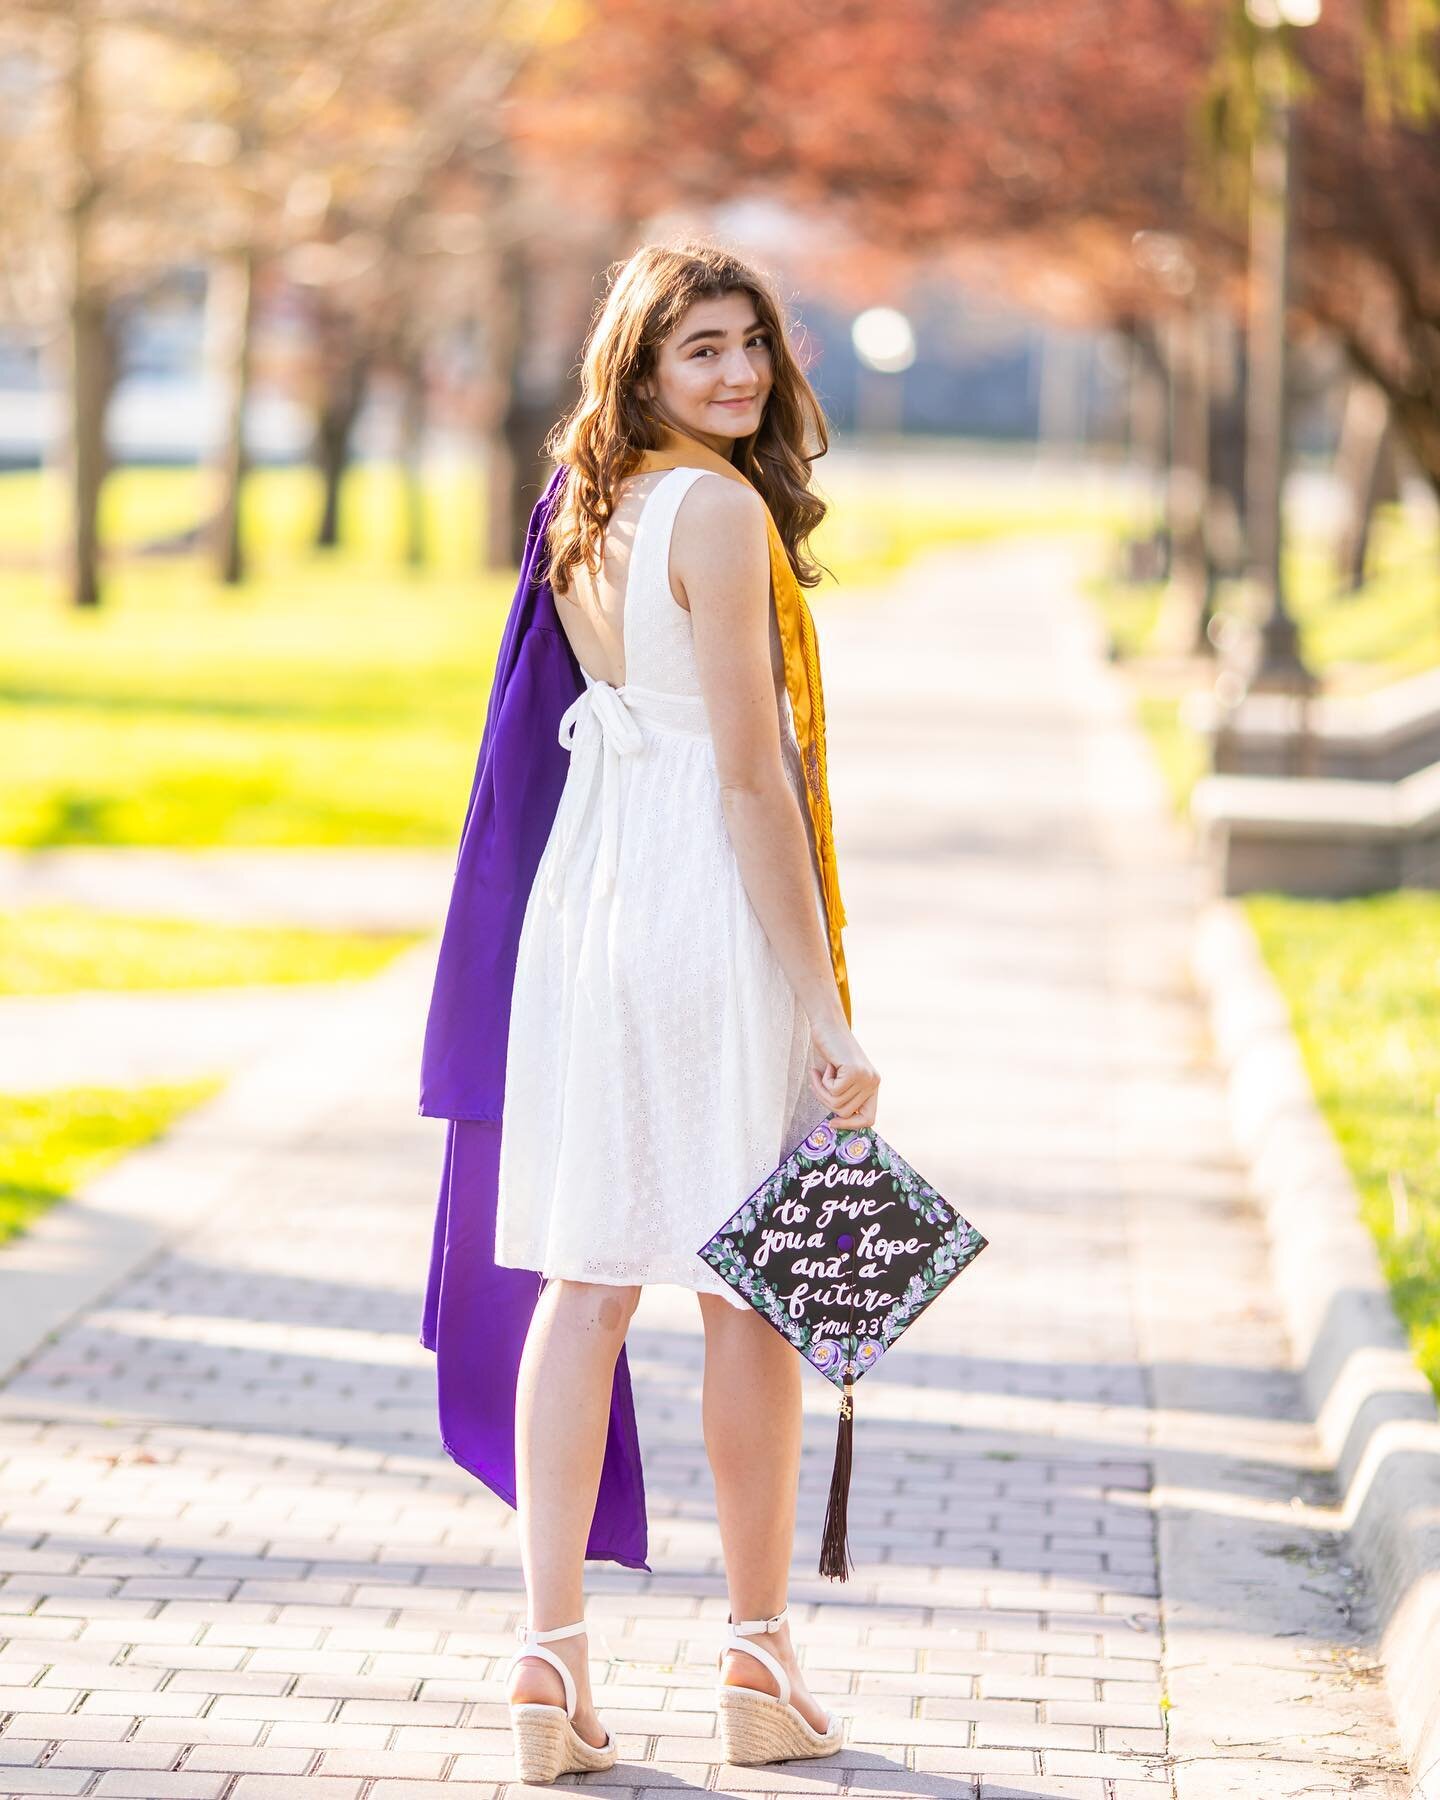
[[1225, 526], [516, 467], [1147, 560], [513, 449], [231, 301], [1365, 470], [537, 318], [1189, 592], [92, 358], [344, 376], [1413, 409], [92, 379], [334, 428], [412, 452]]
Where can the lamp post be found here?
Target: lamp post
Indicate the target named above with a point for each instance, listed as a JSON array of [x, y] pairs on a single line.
[[1277, 665]]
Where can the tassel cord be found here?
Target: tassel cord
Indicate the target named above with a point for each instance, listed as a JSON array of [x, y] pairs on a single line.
[[835, 1558]]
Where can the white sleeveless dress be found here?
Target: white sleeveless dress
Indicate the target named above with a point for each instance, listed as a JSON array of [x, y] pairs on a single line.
[[658, 1056]]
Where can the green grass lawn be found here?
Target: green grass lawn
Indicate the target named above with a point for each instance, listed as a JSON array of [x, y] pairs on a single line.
[[1385, 630], [1130, 611], [869, 537], [281, 507], [53, 1143], [68, 949], [1362, 979], [1180, 753], [1354, 641], [334, 698]]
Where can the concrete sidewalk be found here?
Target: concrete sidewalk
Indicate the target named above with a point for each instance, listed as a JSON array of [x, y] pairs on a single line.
[[1096, 1551], [330, 889], [128, 1037]]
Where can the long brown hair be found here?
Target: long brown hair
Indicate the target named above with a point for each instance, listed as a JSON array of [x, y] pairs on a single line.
[[601, 439]]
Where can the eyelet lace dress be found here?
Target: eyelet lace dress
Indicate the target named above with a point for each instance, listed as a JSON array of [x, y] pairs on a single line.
[[657, 1060]]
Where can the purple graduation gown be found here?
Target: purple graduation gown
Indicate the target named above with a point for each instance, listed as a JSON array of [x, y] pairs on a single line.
[[477, 1313]]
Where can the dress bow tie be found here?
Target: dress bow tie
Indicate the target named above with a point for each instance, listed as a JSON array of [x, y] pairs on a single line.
[[598, 719]]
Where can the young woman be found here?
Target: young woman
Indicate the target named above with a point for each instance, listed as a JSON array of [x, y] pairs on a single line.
[[678, 1017]]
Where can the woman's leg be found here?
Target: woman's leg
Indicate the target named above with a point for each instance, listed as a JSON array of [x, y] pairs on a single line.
[[751, 1413], [562, 1414]]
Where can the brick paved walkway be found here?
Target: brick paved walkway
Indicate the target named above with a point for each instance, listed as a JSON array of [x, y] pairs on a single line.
[[237, 1563]]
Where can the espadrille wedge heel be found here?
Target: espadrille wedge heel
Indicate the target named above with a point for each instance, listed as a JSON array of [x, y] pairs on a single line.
[[546, 1741], [763, 1728]]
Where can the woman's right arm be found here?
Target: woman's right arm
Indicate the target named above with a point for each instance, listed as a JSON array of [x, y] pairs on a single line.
[[721, 558]]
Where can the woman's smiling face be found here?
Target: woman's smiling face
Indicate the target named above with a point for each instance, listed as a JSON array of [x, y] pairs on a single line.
[[713, 374]]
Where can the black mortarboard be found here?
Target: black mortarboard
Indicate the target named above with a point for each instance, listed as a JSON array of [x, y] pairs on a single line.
[[841, 1248]]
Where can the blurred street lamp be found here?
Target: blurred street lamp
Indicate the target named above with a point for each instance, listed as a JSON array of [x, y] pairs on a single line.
[[1277, 665], [884, 345]]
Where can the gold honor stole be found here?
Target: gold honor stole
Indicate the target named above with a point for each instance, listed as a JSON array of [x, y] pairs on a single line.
[[802, 678]]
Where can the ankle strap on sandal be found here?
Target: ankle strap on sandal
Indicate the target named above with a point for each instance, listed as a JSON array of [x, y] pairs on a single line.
[[531, 1643], [761, 1625], [527, 1636], [735, 1641]]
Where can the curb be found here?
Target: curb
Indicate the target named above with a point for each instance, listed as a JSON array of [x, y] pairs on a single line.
[[1374, 1411]]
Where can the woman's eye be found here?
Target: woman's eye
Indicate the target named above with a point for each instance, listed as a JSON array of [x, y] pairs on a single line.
[[758, 338]]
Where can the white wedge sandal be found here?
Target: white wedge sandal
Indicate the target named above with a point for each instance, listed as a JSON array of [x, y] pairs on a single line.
[[761, 1728], [546, 1741]]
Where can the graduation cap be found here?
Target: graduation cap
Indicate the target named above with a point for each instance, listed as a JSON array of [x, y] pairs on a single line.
[[841, 1248]]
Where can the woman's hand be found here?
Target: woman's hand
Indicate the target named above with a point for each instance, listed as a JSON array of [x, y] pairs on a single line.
[[843, 1076]]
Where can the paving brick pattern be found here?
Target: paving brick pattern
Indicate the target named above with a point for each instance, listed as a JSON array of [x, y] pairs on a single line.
[[236, 1562]]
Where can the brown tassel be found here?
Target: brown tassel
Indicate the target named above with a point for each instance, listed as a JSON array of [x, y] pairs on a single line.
[[834, 1544]]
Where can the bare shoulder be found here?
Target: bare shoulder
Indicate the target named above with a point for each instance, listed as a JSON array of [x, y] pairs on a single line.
[[714, 508], [719, 531]]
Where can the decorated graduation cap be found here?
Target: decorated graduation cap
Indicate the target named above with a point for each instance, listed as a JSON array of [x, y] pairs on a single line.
[[841, 1248]]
